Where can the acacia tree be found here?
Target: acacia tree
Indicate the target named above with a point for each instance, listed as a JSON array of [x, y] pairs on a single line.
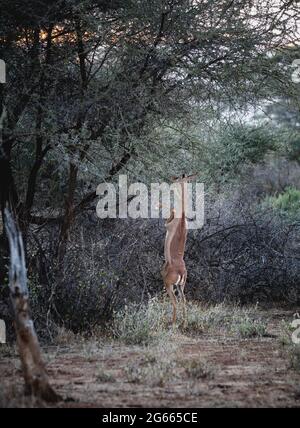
[[283, 107], [88, 80]]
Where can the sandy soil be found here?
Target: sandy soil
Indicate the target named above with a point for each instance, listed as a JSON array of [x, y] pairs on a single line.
[[242, 372]]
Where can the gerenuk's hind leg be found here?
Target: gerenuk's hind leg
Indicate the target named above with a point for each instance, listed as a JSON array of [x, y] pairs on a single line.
[[169, 288], [182, 296]]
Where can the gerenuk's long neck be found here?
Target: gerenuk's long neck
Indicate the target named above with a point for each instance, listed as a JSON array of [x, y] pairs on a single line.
[[177, 247], [182, 199], [171, 229], [176, 234]]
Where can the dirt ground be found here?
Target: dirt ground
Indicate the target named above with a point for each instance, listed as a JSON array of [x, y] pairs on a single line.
[[234, 372]]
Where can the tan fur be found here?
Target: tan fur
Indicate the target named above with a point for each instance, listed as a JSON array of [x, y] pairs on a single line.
[[174, 270]]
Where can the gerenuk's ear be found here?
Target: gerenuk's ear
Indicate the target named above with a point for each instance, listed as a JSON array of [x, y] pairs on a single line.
[[191, 177], [183, 178]]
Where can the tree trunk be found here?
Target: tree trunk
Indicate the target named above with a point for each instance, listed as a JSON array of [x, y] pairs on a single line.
[[34, 372], [73, 172]]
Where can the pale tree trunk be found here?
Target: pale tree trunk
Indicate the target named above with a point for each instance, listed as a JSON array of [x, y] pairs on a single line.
[[34, 372]]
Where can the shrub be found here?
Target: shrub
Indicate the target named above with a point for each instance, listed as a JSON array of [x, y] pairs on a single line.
[[248, 328], [140, 324], [245, 255], [286, 203]]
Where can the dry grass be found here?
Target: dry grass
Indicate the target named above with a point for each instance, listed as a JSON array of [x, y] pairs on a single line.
[[13, 396], [156, 373], [64, 337], [294, 355], [199, 369], [290, 349], [242, 321], [222, 350], [142, 325], [104, 376]]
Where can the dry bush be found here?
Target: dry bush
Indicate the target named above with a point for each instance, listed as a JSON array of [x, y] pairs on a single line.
[[243, 253]]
